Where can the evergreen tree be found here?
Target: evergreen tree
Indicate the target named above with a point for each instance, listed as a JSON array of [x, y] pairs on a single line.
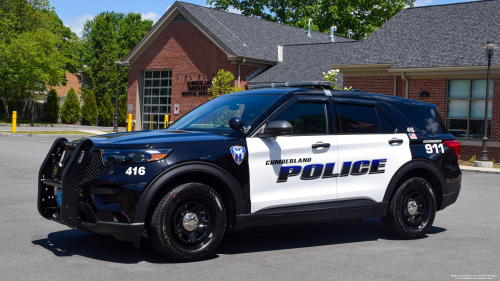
[[71, 108], [89, 109], [122, 111], [51, 107], [106, 111]]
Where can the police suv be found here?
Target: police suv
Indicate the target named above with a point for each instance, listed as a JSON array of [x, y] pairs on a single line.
[[276, 154]]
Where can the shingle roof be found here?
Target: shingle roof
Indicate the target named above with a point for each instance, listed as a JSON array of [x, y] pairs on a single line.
[[252, 37], [422, 37]]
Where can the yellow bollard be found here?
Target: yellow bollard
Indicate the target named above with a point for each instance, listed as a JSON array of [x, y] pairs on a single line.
[[166, 121], [129, 128], [14, 119], [152, 127]]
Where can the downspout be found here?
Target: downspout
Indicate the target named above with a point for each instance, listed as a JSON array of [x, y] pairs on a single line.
[[407, 83], [395, 85], [239, 71]]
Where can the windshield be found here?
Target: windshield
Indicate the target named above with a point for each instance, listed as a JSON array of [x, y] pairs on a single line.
[[214, 115]]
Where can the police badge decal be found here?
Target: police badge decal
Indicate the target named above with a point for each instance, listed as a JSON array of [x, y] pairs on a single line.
[[238, 153]]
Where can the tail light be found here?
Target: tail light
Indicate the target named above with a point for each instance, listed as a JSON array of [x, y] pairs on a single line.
[[455, 145]]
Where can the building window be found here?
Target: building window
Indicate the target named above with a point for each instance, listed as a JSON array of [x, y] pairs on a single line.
[[465, 108], [156, 98]]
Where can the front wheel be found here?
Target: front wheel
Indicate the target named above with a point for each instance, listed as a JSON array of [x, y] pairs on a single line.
[[189, 222], [412, 209]]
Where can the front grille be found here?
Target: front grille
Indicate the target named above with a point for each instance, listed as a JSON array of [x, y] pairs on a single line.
[[95, 165]]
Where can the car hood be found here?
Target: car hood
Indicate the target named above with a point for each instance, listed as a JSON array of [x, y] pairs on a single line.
[[151, 139]]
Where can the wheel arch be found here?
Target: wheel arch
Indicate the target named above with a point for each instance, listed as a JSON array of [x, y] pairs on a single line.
[[419, 168], [223, 183]]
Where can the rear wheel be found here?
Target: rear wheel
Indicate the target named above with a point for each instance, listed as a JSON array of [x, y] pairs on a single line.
[[188, 223], [412, 209]]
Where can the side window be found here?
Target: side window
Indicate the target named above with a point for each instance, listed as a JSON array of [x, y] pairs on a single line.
[[307, 118], [427, 120], [358, 119], [386, 126]]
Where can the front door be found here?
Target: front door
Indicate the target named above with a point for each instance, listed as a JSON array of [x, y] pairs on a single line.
[[296, 169]]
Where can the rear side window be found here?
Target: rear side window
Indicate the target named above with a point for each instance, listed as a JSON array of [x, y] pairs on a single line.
[[307, 118], [361, 119], [427, 120]]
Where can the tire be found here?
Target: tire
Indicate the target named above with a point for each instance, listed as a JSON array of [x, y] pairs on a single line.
[[181, 236], [412, 210]]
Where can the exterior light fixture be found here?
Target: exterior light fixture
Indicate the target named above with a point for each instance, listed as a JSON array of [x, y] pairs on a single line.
[[191, 75], [178, 75], [490, 48], [425, 94]]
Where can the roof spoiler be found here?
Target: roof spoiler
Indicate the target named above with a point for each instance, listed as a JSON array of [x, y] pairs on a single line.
[[306, 84]]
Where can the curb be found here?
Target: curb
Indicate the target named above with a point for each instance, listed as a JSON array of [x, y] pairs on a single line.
[[43, 135], [480, 171]]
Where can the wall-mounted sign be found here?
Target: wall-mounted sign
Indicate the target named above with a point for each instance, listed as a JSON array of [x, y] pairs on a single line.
[[176, 109], [130, 108], [197, 88]]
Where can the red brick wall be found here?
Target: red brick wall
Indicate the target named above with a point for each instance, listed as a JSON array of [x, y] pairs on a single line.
[[373, 84], [185, 50], [468, 151]]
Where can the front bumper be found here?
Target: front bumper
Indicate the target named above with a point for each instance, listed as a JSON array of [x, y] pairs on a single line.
[[72, 211]]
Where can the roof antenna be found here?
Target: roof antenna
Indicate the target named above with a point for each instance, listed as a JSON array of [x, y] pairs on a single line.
[[309, 28], [333, 29]]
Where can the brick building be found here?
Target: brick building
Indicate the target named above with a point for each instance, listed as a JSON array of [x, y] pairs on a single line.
[[433, 54]]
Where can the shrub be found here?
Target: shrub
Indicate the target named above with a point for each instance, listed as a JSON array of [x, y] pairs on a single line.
[[106, 111], [223, 84], [122, 111], [89, 109], [51, 107], [493, 160], [472, 159], [71, 108]]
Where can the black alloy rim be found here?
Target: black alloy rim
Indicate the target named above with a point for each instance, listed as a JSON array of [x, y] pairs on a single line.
[[419, 219], [198, 236]]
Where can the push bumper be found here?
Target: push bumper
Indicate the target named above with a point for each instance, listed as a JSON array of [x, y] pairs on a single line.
[[72, 211]]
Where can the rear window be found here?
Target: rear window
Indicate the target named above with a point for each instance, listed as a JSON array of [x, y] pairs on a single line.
[[427, 120], [361, 119]]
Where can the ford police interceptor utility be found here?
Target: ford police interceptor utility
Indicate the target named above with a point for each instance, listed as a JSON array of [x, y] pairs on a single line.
[[276, 154]]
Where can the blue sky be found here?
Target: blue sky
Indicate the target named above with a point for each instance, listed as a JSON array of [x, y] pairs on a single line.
[[74, 13]]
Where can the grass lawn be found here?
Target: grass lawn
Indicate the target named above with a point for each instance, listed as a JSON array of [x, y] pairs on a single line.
[[53, 132]]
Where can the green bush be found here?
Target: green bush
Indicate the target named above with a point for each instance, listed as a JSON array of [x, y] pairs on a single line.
[[472, 159], [71, 108], [51, 107], [222, 84], [122, 111], [89, 109], [106, 110], [493, 160]]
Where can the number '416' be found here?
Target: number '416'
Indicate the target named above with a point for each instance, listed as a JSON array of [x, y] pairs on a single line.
[[429, 148]]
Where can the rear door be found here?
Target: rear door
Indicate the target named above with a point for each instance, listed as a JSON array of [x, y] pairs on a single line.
[[370, 150], [294, 170]]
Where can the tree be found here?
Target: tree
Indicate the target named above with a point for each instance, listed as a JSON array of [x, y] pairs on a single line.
[[222, 84], [33, 49], [122, 111], [358, 17], [51, 107], [89, 109], [71, 108], [106, 38], [106, 111]]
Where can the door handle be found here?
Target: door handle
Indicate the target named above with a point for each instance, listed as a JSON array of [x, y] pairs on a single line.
[[395, 141], [317, 145]]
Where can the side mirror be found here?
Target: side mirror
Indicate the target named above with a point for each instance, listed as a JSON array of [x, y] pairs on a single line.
[[277, 128], [236, 124]]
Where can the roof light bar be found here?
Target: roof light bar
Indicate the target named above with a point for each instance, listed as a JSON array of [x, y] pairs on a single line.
[[321, 84]]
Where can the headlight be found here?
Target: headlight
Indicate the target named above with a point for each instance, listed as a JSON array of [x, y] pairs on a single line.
[[132, 156]]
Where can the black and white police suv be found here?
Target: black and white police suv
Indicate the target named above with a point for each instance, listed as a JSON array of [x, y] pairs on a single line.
[[276, 154]]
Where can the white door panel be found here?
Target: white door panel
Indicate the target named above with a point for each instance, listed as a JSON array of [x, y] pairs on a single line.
[[369, 147], [267, 157]]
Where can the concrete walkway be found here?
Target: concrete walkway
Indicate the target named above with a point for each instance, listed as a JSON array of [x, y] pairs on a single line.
[[480, 170]]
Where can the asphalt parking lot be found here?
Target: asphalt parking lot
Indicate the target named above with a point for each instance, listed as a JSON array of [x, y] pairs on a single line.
[[465, 240]]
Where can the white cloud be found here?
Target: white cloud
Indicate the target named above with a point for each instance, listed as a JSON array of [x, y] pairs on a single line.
[[76, 24], [232, 9], [422, 3], [150, 16]]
